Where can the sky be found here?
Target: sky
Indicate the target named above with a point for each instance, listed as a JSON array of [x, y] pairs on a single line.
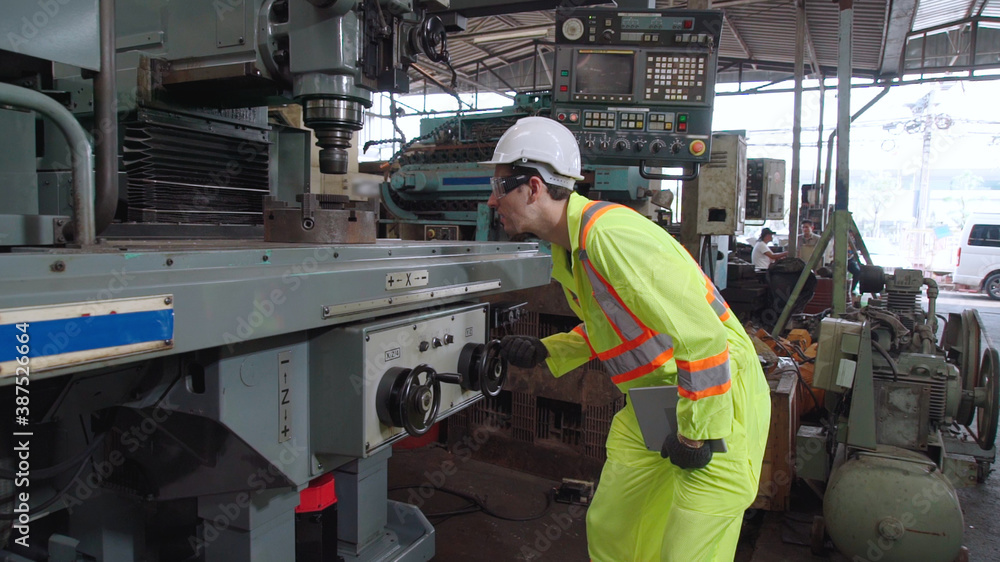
[[879, 139]]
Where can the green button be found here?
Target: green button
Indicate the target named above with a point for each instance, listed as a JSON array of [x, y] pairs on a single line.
[[682, 118], [565, 73]]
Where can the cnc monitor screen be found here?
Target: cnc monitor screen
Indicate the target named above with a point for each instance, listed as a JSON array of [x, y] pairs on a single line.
[[604, 73]]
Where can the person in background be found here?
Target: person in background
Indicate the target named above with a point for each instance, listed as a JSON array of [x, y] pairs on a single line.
[[654, 319], [762, 256], [808, 242]]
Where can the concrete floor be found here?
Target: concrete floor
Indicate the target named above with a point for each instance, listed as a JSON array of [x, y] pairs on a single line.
[[560, 532]]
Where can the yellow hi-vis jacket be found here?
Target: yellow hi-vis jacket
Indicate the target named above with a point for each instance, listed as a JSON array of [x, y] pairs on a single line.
[[650, 315]]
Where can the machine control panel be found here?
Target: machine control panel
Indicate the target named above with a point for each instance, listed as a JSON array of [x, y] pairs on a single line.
[[399, 376], [637, 87], [765, 189]]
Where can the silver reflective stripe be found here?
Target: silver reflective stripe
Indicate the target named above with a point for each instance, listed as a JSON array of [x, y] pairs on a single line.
[[704, 379], [718, 305], [614, 310], [640, 356]]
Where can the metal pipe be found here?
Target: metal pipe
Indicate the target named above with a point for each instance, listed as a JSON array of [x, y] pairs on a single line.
[[819, 156], [106, 122], [82, 155], [932, 294], [800, 39], [845, 70]]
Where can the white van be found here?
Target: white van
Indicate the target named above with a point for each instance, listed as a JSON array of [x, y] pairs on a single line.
[[978, 265]]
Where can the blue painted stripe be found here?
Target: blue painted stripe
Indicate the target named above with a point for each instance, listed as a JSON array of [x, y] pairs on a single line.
[[483, 180], [54, 337]]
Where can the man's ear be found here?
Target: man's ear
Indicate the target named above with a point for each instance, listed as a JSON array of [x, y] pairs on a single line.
[[537, 186]]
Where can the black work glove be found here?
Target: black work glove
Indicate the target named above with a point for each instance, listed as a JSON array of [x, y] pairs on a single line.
[[523, 351], [683, 456]]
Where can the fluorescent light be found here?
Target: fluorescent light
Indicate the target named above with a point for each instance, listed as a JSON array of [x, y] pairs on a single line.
[[512, 34]]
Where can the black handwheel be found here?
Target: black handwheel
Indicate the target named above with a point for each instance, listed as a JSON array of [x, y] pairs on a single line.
[[988, 408], [492, 370], [468, 361], [404, 400], [433, 39]]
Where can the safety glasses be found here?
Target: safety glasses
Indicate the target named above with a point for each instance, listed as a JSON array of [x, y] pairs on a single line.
[[503, 186]]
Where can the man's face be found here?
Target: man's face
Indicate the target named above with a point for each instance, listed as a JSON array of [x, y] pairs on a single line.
[[807, 230], [511, 205]]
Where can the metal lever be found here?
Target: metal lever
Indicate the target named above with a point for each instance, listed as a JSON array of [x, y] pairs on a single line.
[[451, 378], [651, 176]]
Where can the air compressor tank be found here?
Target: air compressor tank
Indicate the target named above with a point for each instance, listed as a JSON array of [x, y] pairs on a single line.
[[893, 505]]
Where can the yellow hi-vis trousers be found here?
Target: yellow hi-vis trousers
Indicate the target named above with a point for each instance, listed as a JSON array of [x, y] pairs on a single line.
[[647, 509]]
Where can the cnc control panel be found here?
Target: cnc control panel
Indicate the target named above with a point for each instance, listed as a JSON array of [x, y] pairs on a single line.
[[637, 87]]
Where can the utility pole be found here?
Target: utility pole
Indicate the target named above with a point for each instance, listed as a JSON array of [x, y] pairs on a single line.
[[924, 115]]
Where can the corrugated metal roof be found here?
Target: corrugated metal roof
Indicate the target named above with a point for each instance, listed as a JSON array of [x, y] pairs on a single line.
[[932, 13], [991, 9], [768, 28]]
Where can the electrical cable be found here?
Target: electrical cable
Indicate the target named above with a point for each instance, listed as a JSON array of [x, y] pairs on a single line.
[[798, 371], [395, 114], [803, 354], [479, 505], [885, 354]]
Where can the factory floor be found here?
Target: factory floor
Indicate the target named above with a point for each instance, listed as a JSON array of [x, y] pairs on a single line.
[[560, 533]]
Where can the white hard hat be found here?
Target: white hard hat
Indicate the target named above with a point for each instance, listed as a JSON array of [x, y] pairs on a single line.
[[543, 144]]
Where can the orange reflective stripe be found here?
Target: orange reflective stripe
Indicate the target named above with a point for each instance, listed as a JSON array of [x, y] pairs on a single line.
[[711, 391], [582, 330], [643, 355], [703, 364], [627, 345], [658, 362]]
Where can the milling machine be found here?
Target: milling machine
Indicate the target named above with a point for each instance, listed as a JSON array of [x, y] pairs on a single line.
[[911, 419], [200, 353]]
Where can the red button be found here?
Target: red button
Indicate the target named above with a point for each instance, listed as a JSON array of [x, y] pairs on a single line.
[[682, 127], [561, 117], [688, 24], [574, 117], [697, 148], [563, 88]]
